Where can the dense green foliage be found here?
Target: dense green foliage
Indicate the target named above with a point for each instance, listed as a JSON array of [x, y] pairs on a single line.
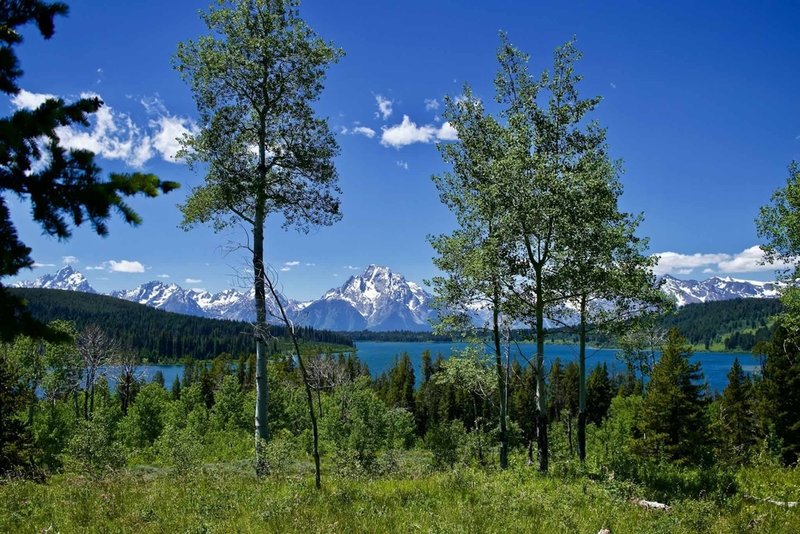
[[154, 334]]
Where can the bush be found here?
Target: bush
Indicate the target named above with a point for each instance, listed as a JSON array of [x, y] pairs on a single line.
[[93, 448], [443, 441]]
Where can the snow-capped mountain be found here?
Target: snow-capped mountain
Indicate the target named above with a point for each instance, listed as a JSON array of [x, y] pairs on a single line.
[[717, 288], [167, 297], [383, 300], [65, 278], [377, 299]]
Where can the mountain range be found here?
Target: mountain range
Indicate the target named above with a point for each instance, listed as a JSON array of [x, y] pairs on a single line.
[[377, 299]]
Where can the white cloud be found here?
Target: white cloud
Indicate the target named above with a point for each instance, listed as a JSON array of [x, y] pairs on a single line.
[[284, 269], [384, 107], [447, 133], [747, 261], [402, 164], [162, 276], [193, 281], [37, 265], [408, 133], [613, 85], [114, 135], [69, 260], [352, 268], [293, 263], [168, 130], [310, 264], [431, 103], [365, 131], [28, 100], [125, 266]]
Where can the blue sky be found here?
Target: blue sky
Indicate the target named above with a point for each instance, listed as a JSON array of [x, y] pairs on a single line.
[[700, 102]]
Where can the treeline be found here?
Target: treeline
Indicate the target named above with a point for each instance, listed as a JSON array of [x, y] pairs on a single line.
[[407, 336], [157, 335]]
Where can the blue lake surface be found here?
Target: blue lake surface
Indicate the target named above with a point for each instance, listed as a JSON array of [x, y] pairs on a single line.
[[380, 356]]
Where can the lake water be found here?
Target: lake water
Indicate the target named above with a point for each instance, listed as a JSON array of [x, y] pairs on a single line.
[[380, 356]]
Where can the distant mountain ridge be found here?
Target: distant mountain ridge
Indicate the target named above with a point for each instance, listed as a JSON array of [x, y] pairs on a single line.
[[378, 299], [716, 289]]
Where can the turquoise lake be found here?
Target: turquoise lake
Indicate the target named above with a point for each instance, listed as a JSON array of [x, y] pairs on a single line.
[[380, 355]]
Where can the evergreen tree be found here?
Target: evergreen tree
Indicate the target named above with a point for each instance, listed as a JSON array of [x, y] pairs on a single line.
[[158, 378], [673, 422], [780, 392], [15, 435], [176, 388], [736, 429], [599, 392]]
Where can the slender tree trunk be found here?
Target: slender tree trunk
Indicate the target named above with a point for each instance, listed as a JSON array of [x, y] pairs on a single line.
[[262, 391], [501, 385], [307, 383], [477, 430], [582, 383], [541, 398], [569, 434]]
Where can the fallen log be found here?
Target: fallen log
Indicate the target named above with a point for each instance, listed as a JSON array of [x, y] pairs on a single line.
[[786, 504], [651, 505]]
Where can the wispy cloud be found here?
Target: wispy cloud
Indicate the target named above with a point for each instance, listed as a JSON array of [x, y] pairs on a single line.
[[114, 135], [384, 107], [352, 268], [37, 265], [749, 260], [162, 276], [407, 133], [402, 164], [69, 260], [193, 281], [613, 85], [431, 103]]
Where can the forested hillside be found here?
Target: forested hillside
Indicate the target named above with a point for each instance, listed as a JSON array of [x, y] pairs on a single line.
[[737, 324], [156, 335]]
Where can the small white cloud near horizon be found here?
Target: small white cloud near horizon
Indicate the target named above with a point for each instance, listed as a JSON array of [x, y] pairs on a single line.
[[408, 133], [69, 260], [193, 281], [285, 269], [293, 263], [750, 260], [431, 103], [384, 107], [352, 268], [162, 276], [37, 265], [125, 266]]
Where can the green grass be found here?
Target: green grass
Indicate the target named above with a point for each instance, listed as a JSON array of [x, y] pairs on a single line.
[[228, 498]]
